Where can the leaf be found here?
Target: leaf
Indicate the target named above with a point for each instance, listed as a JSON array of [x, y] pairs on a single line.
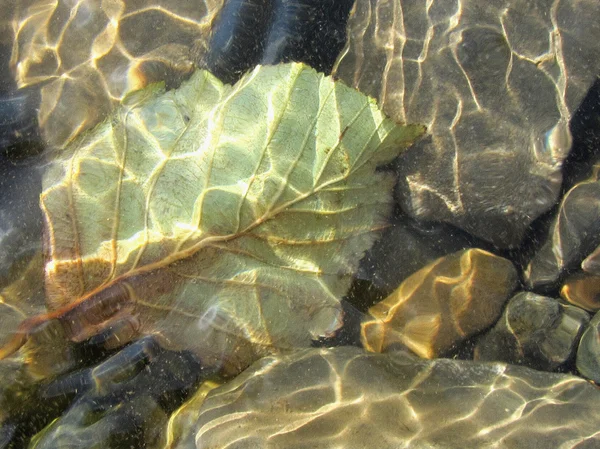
[[228, 219]]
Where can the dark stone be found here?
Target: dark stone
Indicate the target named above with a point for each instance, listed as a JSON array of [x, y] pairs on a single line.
[[252, 32], [238, 38], [588, 354], [496, 91], [573, 235], [123, 401], [534, 331]]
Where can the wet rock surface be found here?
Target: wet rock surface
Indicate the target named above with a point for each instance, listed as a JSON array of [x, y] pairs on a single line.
[[534, 331], [344, 397], [21, 294], [491, 82], [588, 354], [497, 87], [442, 304], [582, 290], [573, 236], [20, 215], [251, 32], [89, 55], [180, 428], [123, 401]]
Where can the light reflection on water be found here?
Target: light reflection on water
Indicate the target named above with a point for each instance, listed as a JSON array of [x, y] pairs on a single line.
[[496, 85]]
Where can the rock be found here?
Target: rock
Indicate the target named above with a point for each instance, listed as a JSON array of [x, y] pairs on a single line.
[[86, 56], [23, 411], [122, 401], [14, 377], [588, 354], [574, 234], [251, 32], [344, 397], [88, 424], [143, 368], [534, 331], [21, 294], [442, 304], [491, 84], [591, 264], [583, 290]]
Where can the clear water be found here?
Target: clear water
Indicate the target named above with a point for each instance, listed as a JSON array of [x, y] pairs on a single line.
[[510, 97]]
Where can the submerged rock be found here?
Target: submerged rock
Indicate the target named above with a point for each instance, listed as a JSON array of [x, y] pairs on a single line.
[[251, 32], [535, 331], [344, 397], [496, 83], [21, 293], [134, 424], [86, 56], [20, 214], [122, 402], [574, 234], [583, 290], [442, 304], [588, 354]]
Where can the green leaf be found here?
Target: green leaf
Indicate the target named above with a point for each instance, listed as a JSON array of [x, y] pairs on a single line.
[[231, 219]]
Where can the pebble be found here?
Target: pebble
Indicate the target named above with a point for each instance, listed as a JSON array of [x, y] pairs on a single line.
[[588, 354], [406, 247], [85, 57], [582, 290], [534, 331], [123, 401], [573, 235], [442, 304]]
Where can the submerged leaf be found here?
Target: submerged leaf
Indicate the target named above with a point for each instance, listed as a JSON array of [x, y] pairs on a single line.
[[229, 219]]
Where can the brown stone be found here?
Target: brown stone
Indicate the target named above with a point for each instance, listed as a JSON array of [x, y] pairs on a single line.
[[442, 304], [583, 291]]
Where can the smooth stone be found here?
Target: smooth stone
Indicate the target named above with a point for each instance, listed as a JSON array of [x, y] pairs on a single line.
[[588, 354], [123, 401], [142, 368], [345, 397], [573, 235], [85, 57], [534, 331], [14, 378], [583, 290], [591, 264], [90, 425], [22, 411], [251, 32], [496, 86], [442, 304]]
